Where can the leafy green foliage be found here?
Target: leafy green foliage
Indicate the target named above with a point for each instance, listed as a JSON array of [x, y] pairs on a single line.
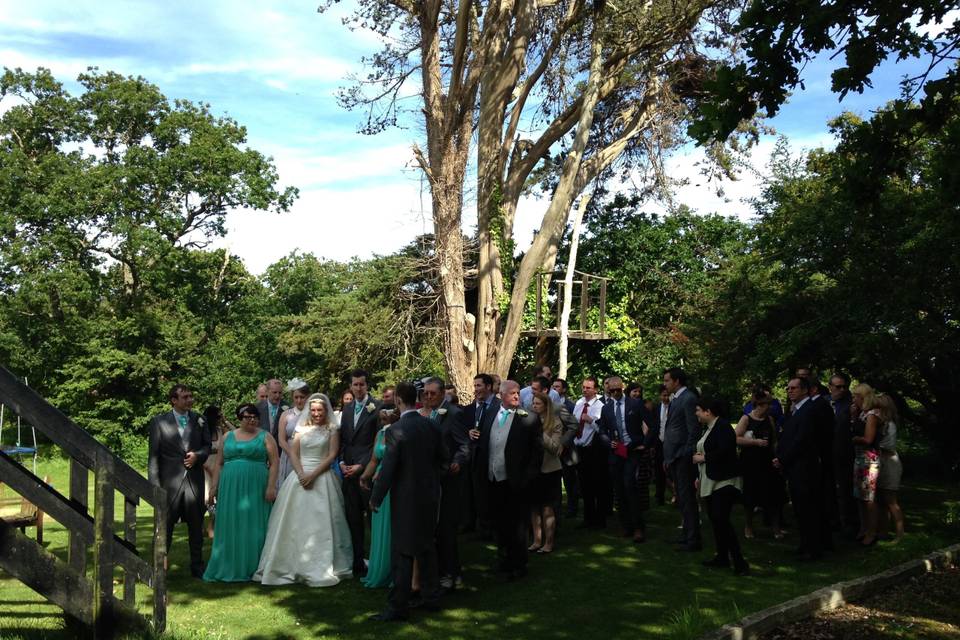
[[852, 268], [781, 36]]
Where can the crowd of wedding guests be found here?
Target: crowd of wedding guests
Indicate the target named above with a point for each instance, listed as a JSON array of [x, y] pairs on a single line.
[[292, 489]]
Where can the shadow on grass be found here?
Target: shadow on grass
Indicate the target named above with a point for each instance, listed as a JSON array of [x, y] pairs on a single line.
[[595, 584]]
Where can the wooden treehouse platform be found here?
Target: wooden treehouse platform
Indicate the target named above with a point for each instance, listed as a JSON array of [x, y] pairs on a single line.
[[589, 294], [84, 593]]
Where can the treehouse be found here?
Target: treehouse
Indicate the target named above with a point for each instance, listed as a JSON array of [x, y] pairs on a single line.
[[588, 308]]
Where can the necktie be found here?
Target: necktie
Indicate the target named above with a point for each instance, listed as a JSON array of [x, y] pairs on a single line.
[[619, 414], [433, 414], [357, 408], [481, 407], [584, 416], [182, 422], [503, 416], [273, 413]]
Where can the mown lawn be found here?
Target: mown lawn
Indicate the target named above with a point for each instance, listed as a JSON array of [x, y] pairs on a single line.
[[595, 585]]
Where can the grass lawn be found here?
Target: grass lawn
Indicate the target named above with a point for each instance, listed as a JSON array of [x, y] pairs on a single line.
[[596, 585]]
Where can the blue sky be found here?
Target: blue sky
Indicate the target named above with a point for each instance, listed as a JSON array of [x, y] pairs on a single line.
[[275, 67]]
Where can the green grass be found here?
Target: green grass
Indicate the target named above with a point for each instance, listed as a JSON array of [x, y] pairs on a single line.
[[595, 585]]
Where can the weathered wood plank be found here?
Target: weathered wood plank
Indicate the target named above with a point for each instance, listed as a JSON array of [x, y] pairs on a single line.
[[44, 573], [79, 481], [130, 535], [159, 561], [76, 442], [103, 610], [21, 480]]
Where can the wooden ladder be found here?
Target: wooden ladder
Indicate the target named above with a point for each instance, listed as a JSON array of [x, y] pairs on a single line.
[[87, 598]]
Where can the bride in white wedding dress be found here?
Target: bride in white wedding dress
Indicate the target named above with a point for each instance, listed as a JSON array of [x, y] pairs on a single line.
[[308, 539]]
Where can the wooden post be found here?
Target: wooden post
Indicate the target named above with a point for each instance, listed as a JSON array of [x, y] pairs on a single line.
[[103, 614], [584, 301], [603, 308], [159, 559], [78, 495], [130, 535]]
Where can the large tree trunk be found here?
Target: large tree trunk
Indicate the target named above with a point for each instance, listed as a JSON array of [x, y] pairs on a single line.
[[448, 144], [498, 79], [554, 220]]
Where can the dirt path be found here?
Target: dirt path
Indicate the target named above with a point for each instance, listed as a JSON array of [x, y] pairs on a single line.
[[925, 607]]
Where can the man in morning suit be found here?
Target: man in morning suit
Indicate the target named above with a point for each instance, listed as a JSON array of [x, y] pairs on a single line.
[[624, 430], [485, 401], [410, 473], [797, 455], [272, 407], [508, 451], [823, 419], [179, 445], [358, 428], [680, 434], [454, 429], [843, 451]]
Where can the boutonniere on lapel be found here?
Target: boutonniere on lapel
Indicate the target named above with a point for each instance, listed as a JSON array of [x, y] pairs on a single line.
[[371, 407], [522, 413], [201, 421], [441, 411], [284, 407]]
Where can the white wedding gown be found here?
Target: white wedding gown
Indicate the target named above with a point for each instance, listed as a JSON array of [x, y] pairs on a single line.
[[308, 539]]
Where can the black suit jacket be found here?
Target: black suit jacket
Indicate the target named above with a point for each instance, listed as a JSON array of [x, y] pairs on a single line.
[[823, 420], [634, 416], [523, 452], [167, 449], [720, 452], [843, 451], [472, 412], [797, 449], [356, 437], [271, 426], [454, 434], [410, 472]]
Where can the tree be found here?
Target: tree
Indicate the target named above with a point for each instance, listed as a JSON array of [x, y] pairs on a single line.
[[606, 83], [851, 269], [106, 199], [781, 36]]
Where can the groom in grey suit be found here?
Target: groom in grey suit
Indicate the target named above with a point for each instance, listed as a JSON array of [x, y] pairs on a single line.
[[179, 445], [680, 434]]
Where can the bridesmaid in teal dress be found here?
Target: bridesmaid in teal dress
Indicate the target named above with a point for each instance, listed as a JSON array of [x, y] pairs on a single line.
[[378, 569], [244, 486]]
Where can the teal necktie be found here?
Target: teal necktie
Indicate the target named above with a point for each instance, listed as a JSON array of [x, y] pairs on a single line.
[[503, 416], [182, 422], [357, 408], [433, 414]]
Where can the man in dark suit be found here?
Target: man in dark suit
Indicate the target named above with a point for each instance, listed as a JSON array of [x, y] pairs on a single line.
[[272, 407], [843, 452], [410, 473], [453, 428], [179, 445], [797, 455], [485, 402], [358, 428], [624, 431], [508, 451], [823, 419], [680, 434]]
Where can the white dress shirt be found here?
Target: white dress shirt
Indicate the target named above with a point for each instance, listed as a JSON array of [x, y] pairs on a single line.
[[594, 407]]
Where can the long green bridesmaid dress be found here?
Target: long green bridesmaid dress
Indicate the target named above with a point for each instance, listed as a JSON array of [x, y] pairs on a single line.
[[378, 570], [242, 510]]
